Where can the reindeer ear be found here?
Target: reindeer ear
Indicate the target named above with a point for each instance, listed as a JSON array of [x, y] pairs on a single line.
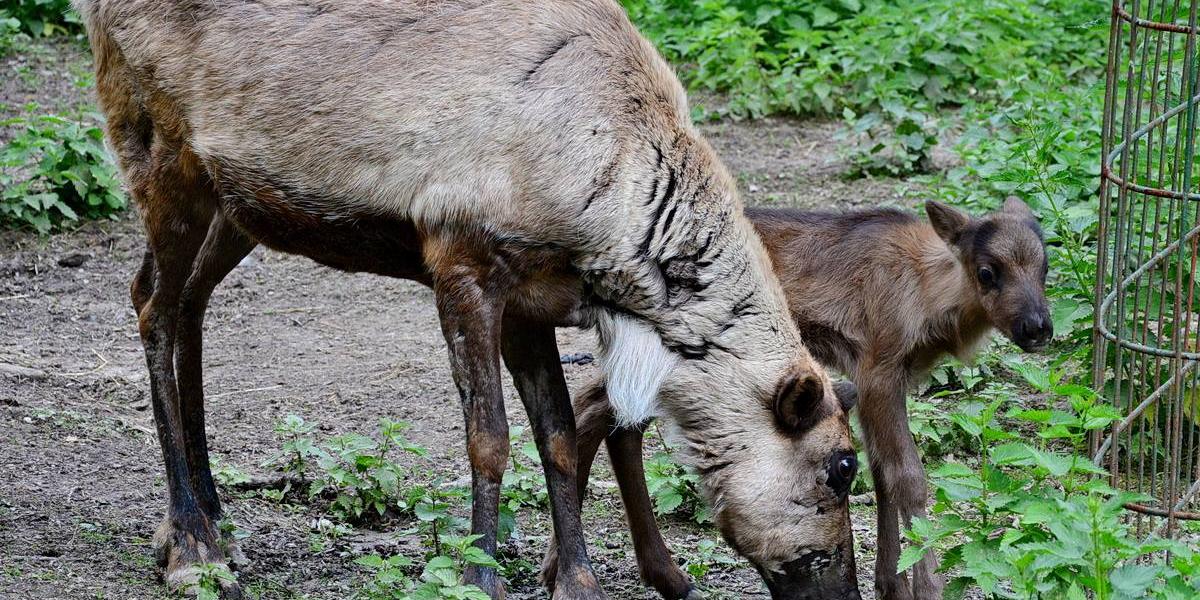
[[798, 400], [847, 394], [1016, 206], [949, 223]]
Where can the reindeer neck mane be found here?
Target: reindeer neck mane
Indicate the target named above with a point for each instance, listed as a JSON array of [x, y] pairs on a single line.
[[693, 291]]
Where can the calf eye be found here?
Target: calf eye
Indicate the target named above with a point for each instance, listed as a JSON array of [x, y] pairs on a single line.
[[843, 466], [987, 277]]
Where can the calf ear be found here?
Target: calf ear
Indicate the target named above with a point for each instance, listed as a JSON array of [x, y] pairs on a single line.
[[1016, 206], [798, 401], [847, 394], [949, 223]]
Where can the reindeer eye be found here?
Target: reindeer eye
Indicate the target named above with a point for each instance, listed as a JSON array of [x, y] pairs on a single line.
[[843, 466], [987, 277]]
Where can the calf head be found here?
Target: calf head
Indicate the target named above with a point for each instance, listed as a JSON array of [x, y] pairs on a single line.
[[1004, 256], [779, 488]]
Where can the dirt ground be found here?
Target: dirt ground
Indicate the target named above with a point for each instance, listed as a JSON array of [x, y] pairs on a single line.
[[81, 479]]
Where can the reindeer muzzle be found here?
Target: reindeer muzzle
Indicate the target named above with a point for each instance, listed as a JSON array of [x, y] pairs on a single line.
[[818, 575]]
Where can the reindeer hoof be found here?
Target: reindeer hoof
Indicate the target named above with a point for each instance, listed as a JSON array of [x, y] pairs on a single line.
[[187, 580], [579, 594], [580, 584], [186, 553], [694, 594]]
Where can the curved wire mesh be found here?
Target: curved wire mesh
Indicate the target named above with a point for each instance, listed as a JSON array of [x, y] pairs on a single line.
[[1147, 321]]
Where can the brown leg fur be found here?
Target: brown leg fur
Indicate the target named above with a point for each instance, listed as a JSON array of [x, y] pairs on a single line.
[[176, 210], [224, 247], [595, 422], [899, 476], [470, 310], [592, 424], [532, 355], [654, 559]]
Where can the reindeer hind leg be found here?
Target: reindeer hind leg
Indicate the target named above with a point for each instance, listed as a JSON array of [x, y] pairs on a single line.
[[176, 210], [224, 247]]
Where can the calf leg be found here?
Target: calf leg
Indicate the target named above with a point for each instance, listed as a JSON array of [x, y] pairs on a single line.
[[593, 421], [654, 559], [470, 310], [899, 482], [532, 355], [224, 247], [889, 585]]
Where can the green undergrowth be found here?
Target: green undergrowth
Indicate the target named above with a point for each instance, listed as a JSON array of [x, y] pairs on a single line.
[[894, 70], [55, 171]]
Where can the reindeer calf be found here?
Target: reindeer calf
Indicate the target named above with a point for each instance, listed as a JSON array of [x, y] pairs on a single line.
[[881, 297]]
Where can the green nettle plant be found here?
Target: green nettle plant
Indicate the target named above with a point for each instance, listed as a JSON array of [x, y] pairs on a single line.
[[674, 489], [298, 446], [707, 555], [524, 486], [41, 18], [1033, 519], [355, 472], [11, 37], [359, 471], [431, 505], [891, 68], [212, 578], [55, 171], [439, 580]]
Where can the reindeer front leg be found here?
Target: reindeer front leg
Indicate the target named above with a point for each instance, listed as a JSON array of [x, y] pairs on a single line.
[[593, 421], [531, 354], [469, 307], [899, 476]]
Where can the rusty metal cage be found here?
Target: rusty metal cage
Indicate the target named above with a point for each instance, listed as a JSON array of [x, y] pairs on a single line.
[[1147, 322]]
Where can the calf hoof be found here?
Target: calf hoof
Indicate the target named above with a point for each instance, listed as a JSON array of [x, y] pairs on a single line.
[[485, 579], [671, 582]]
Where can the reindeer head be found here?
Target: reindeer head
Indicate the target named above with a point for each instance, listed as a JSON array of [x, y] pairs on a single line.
[[1004, 257], [779, 488]]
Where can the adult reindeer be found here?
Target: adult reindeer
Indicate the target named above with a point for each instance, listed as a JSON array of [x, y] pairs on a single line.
[[882, 297], [533, 163]]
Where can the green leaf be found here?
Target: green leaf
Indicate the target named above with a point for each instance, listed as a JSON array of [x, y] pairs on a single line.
[[822, 16], [1132, 580], [476, 556], [765, 13], [909, 557], [667, 502]]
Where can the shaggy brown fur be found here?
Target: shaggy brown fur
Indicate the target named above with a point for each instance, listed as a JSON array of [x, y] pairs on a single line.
[[881, 297], [531, 161]]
